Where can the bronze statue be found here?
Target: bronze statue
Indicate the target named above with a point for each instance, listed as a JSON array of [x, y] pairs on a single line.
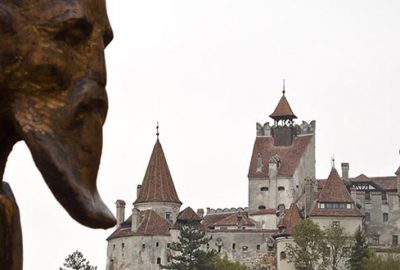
[[52, 96]]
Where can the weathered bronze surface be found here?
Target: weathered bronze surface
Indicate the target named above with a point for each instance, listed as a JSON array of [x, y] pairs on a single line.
[[52, 96]]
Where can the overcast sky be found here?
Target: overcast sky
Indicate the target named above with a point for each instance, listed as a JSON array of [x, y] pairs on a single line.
[[208, 71]]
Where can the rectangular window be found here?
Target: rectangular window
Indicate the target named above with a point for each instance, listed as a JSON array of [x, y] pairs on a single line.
[[158, 260], [168, 216], [367, 195], [395, 240], [233, 246], [385, 217], [384, 196]]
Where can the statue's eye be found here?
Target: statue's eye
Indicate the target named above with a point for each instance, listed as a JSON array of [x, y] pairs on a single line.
[[74, 31]]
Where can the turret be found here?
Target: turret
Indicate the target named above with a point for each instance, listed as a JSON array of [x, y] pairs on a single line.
[[283, 130], [157, 191]]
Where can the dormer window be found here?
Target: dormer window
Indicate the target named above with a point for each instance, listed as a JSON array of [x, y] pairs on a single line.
[[259, 163], [335, 205]]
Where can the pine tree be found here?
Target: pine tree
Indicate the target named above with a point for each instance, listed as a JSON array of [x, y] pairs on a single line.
[[359, 250], [76, 261], [187, 253]]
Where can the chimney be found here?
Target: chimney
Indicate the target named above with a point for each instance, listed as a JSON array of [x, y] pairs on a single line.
[[345, 171], [274, 163], [138, 188], [120, 205], [135, 219], [200, 212]]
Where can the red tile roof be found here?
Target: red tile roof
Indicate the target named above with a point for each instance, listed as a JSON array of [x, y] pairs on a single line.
[[290, 156], [157, 185], [283, 110], [235, 219], [210, 219], [290, 220], [150, 224], [380, 182], [188, 215], [321, 184], [334, 190], [354, 212]]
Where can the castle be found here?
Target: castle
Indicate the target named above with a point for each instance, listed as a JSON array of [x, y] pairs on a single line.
[[282, 190]]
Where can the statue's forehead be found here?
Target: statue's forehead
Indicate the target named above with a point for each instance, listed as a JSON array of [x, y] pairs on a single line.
[[46, 11]]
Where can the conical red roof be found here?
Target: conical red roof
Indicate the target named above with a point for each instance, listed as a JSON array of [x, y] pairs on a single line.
[[290, 220], [188, 214], [157, 185], [334, 190], [283, 110]]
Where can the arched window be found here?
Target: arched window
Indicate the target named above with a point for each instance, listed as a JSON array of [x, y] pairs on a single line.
[[282, 255], [264, 188], [261, 207], [281, 188]]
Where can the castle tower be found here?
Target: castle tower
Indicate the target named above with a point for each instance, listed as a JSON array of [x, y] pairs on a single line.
[[283, 130], [283, 156], [157, 191]]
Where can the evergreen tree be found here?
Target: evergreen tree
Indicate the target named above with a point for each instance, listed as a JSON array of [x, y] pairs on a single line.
[[380, 262], [359, 250], [310, 249], [76, 261], [187, 253]]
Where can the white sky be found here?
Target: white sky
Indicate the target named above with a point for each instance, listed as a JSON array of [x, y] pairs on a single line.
[[208, 71]]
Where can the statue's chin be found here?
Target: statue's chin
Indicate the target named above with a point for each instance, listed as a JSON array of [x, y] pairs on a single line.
[[73, 186]]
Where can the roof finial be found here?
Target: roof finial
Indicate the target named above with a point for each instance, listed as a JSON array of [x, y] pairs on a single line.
[[333, 162], [283, 91], [158, 133]]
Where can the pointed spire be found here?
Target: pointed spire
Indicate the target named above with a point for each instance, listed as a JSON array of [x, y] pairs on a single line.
[[157, 185], [283, 110], [333, 162], [158, 131], [283, 91], [334, 189]]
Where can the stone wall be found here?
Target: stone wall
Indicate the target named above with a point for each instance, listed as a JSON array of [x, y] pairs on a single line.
[[376, 207]]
